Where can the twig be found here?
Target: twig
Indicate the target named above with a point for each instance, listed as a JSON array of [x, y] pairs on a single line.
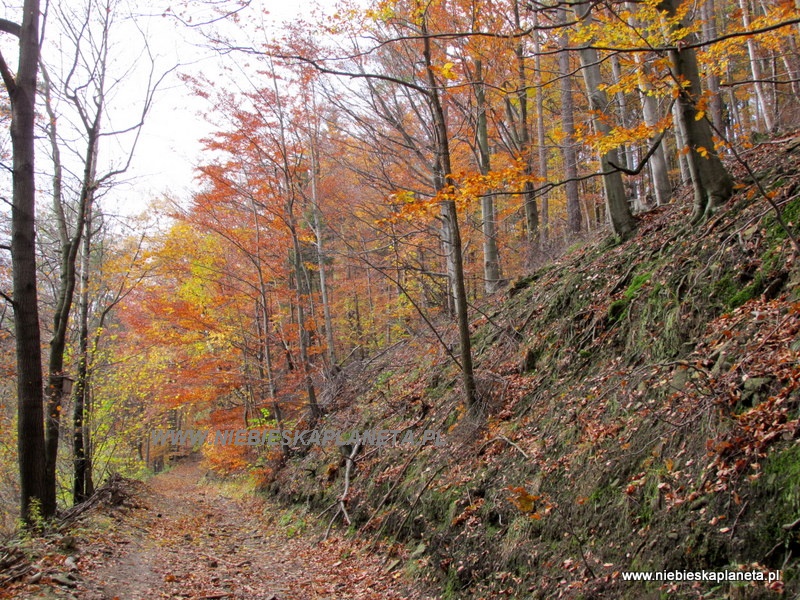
[[762, 191], [736, 520], [507, 441]]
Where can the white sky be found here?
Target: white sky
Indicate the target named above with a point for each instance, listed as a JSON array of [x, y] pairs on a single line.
[[169, 147]]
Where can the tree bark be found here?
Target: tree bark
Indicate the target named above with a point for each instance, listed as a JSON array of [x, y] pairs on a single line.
[[81, 481], [450, 216], [709, 15], [523, 137], [30, 397], [662, 188], [323, 274], [491, 255], [70, 247], [765, 110], [622, 221], [712, 183], [568, 144], [540, 130]]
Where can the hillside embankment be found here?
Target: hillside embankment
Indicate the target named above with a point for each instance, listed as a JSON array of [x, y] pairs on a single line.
[[639, 413]]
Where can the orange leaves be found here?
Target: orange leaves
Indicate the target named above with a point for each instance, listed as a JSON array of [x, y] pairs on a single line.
[[532, 505]]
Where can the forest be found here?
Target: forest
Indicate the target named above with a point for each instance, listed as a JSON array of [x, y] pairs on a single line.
[[523, 272]]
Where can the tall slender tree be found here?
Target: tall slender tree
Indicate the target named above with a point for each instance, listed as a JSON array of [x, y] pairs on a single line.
[[21, 91]]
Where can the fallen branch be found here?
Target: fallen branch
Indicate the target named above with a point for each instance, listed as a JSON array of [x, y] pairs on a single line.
[[342, 510], [507, 441]]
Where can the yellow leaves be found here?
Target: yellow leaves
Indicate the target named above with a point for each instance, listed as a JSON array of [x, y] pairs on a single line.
[[447, 71], [619, 136], [699, 115], [702, 151], [558, 135], [468, 186], [384, 12]]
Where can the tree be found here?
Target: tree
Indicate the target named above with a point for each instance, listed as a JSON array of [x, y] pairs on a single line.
[[568, 151], [85, 85], [712, 183], [30, 399], [408, 29], [619, 211]]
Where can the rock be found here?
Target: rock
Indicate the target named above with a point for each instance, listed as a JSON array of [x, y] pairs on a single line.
[[753, 389], [393, 565], [419, 551], [680, 378], [64, 579], [67, 543], [756, 384]]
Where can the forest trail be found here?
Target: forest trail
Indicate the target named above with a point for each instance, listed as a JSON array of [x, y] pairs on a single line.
[[181, 538]]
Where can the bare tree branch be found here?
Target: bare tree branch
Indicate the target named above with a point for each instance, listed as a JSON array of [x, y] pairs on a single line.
[[7, 26]]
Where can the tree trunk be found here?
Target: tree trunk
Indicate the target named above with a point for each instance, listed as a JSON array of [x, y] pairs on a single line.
[[301, 293], [30, 398], [713, 184], [569, 154], [450, 216], [622, 221], [81, 465], [709, 16], [523, 136], [540, 130], [662, 187], [323, 275], [765, 111], [491, 255], [70, 247]]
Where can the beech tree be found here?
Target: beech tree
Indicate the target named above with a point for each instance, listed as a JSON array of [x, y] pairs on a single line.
[[415, 25], [712, 184], [619, 212], [21, 91]]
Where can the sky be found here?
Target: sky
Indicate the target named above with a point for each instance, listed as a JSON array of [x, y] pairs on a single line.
[[169, 146]]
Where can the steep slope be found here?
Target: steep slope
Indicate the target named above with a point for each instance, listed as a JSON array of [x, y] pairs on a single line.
[[640, 413]]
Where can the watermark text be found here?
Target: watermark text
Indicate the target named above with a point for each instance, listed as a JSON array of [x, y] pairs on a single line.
[[306, 437]]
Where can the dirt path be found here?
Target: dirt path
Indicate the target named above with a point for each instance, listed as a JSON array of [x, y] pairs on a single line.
[[188, 540]]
